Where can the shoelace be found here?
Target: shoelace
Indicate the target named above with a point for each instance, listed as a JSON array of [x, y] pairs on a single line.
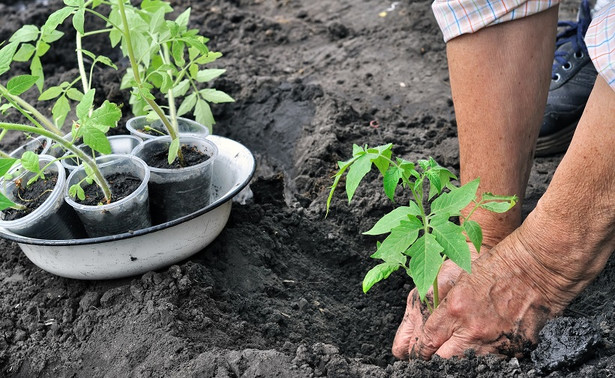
[[574, 34]]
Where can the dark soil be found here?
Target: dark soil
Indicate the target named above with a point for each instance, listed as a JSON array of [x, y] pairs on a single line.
[[121, 186], [191, 156], [278, 293], [30, 196]]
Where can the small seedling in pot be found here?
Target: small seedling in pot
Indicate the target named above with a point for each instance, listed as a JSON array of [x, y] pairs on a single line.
[[422, 235]]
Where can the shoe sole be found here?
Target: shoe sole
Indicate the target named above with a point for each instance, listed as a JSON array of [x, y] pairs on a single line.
[[555, 143]]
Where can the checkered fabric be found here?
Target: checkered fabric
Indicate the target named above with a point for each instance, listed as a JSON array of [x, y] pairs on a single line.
[[457, 17], [600, 41]]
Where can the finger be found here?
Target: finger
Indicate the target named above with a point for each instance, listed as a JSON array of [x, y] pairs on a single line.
[[410, 326], [436, 331], [457, 346]]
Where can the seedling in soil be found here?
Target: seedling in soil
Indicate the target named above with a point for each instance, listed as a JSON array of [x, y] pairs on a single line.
[[422, 235]]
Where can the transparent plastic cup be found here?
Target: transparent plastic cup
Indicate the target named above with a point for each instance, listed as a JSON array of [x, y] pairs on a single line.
[[128, 214], [120, 145], [54, 219], [185, 126], [178, 192], [39, 145]]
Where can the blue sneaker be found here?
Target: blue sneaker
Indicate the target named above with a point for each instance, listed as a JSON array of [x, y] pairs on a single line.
[[573, 77]]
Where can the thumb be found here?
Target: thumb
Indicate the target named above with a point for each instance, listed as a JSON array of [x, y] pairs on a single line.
[[436, 331]]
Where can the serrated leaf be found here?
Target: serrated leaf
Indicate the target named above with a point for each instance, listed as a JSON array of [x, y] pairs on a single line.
[[55, 19], [24, 53], [173, 150], [435, 184], [215, 96], [453, 202], [26, 33], [393, 219], [6, 164], [210, 57], [206, 75], [425, 262], [96, 140], [50, 93], [177, 51], [106, 61], [60, 111], [474, 233], [6, 56], [203, 115], [356, 173], [383, 157], [399, 240], [29, 160], [450, 237], [83, 108], [19, 84], [378, 273], [106, 116]]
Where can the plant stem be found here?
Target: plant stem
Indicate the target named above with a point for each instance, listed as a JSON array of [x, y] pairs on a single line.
[[100, 179], [436, 295], [172, 109], [19, 103], [84, 78]]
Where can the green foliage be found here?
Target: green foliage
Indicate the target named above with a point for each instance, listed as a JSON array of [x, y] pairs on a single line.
[[422, 235]]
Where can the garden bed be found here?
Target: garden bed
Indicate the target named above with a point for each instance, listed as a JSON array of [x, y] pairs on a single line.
[[278, 293]]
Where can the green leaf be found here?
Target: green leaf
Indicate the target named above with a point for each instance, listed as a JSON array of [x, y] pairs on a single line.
[[474, 232], [173, 150], [24, 53], [60, 111], [383, 157], [450, 236], [210, 57], [206, 75], [83, 108], [177, 51], [378, 273], [96, 140], [203, 115], [6, 164], [187, 105], [435, 184], [36, 69], [78, 19], [41, 48], [26, 33], [343, 165], [393, 219], [106, 116], [496, 206], [74, 94], [50, 93], [152, 6], [5, 203], [453, 202], [29, 160], [425, 262], [55, 19], [180, 89], [106, 61], [183, 18], [390, 181], [401, 238], [357, 171], [215, 96], [6, 56], [19, 84], [76, 191]]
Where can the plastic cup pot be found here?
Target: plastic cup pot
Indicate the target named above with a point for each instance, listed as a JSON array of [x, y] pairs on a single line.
[[39, 145], [180, 191], [54, 219], [136, 126], [130, 213], [120, 145]]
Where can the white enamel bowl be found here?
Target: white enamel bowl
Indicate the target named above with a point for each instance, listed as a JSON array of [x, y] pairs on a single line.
[[152, 248]]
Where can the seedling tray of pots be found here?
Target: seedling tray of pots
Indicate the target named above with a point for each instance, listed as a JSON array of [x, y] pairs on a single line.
[[151, 248]]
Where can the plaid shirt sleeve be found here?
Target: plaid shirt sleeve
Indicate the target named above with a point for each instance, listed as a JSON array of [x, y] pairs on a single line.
[[600, 41], [457, 17]]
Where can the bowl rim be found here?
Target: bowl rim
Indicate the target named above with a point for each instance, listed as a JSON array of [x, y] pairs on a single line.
[[228, 196]]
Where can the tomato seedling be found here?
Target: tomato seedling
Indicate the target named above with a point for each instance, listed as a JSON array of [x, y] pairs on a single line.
[[422, 235]]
